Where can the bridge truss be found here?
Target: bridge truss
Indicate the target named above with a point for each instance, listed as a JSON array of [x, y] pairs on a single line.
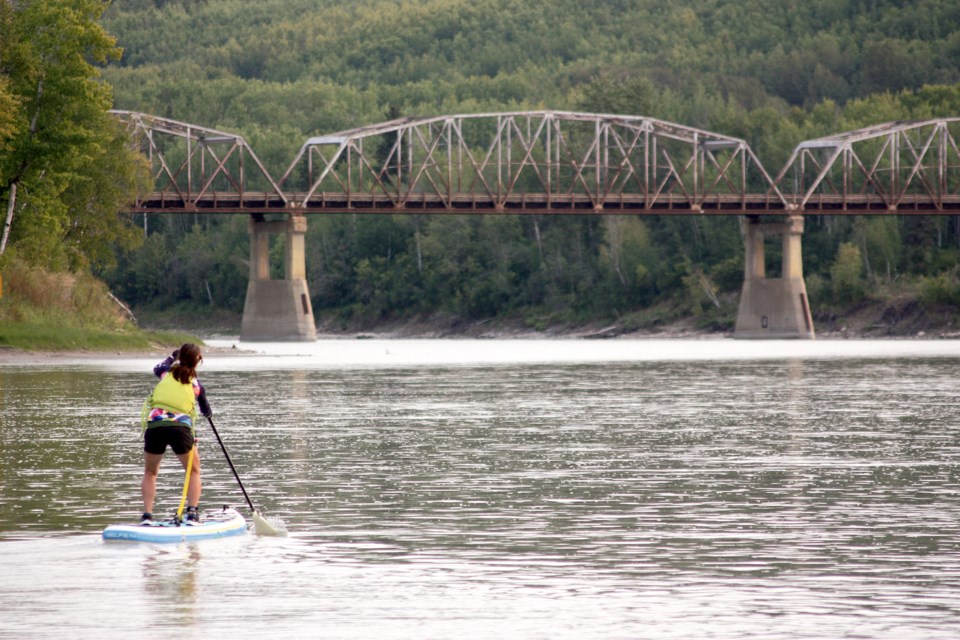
[[523, 162], [547, 162], [199, 169], [529, 162], [551, 162], [897, 167]]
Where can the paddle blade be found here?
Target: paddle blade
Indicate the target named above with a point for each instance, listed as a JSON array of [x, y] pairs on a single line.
[[268, 526]]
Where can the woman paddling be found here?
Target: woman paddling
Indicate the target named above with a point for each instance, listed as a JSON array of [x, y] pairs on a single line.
[[168, 418]]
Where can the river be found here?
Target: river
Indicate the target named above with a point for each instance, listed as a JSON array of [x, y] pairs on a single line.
[[520, 489]]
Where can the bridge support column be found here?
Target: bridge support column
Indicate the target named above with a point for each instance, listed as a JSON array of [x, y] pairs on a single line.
[[773, 307], [278, 310]]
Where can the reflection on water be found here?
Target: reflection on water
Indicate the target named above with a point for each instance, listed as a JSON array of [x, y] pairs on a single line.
[[170, 578], [728, 497]]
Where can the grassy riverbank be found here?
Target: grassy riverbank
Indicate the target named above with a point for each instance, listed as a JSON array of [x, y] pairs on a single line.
[[33, 337], [46, 311]]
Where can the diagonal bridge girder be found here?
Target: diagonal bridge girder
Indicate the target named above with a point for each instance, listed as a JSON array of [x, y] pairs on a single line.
[[551, 162], [195, 168], [515, 162], [540, 161], [896, 167]]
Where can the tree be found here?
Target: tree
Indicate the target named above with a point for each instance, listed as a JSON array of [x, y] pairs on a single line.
[[880, 243], [61, 134], [845, 274], [626, 244]]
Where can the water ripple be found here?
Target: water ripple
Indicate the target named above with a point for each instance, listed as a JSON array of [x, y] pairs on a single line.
[[816, 498]]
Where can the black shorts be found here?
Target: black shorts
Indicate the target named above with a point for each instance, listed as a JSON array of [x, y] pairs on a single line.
[[179, 437]]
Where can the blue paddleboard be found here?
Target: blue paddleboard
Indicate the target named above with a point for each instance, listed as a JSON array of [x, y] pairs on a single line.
[[218, 523]]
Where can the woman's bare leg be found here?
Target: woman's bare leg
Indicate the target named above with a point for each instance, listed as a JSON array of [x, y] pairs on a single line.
[[148, 486]]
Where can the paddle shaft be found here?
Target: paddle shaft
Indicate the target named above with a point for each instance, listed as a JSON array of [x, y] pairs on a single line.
[[229, 462], [186, 485]]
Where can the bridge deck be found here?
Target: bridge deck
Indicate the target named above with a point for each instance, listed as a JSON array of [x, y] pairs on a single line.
[[537, 203]]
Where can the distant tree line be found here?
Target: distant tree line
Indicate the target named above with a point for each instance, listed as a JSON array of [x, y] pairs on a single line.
[[279, 71]]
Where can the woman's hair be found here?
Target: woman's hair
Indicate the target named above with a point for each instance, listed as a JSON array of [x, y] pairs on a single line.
[[185, 368]]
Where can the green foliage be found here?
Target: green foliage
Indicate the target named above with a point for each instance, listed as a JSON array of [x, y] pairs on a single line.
[[35, 293], [799, 53], [201, 265], [42, 309], [942, 289], [40, 335], [278, 71], [817, 290], [880, 243], [65, 169], [9, 105], [846, 275]]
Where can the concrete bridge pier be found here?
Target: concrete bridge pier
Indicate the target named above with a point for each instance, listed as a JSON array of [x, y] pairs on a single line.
[[278, 310], [773, 307]]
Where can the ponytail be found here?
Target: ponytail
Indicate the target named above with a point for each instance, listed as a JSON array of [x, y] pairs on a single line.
[[184, 370]]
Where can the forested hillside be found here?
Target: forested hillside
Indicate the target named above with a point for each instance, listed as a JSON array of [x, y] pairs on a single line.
[[774, 73], [346, 59]]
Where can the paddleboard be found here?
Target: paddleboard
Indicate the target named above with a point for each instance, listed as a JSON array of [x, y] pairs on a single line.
[[217, 523]]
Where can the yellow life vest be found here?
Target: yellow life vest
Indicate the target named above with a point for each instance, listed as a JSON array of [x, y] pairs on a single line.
[[174, 396]]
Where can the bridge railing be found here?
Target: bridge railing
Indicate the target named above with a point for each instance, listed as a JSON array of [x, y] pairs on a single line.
[[903, 167]]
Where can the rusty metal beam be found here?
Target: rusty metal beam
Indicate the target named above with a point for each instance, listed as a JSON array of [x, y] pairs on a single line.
[[192, 165], [552, 162], [483, 162], [899, 167]]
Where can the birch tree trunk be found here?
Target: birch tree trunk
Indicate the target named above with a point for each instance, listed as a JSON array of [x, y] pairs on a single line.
[[9, 219]]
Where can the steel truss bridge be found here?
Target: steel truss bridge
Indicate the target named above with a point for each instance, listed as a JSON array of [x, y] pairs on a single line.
[[547, 162], [550, 162]]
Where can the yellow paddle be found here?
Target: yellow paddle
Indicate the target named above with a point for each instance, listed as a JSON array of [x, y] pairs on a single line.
[[186, 486]]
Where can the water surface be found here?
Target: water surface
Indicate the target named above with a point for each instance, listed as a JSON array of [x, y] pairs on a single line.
[[519, 489]]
